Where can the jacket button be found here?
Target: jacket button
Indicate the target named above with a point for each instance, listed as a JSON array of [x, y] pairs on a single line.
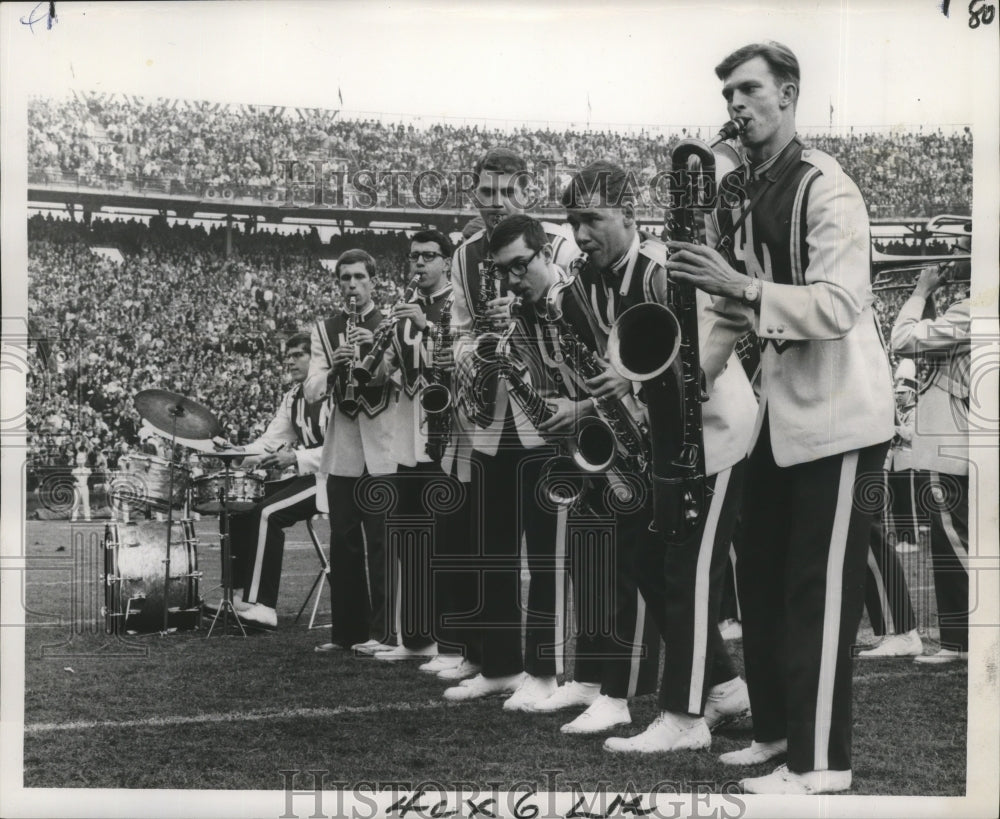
[[770, 329], [781, 329]]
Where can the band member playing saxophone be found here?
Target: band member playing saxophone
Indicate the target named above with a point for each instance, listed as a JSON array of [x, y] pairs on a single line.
[[621, 661], [504, 463], [679, 579], [356, 446], [429, 598]]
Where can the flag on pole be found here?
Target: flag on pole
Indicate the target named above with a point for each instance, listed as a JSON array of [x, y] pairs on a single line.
[[340, 96], [588, 107], [831, 112]]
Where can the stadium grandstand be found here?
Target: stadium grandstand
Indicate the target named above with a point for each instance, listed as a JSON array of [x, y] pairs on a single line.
[[173, 244]]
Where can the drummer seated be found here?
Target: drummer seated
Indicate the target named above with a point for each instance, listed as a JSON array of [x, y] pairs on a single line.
[[292, 442]]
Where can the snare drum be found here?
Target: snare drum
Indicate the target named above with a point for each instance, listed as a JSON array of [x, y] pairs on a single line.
[[136, 589], [242, 492], [145, 479]]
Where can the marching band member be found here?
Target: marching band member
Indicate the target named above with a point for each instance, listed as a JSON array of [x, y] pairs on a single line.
[[940, 445], [681, 583], [356, 448], [801, 280], [504, 462], [426, 597], [293, 440], [609, 666]]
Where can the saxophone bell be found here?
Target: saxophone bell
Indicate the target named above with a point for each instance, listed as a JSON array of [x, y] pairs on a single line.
[[594, 447], [435, 399], [562, 481]]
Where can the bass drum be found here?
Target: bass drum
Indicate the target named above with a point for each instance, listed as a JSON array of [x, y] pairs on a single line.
[[136, 590]]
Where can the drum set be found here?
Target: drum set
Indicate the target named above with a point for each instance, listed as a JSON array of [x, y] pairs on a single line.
[[151, 576]]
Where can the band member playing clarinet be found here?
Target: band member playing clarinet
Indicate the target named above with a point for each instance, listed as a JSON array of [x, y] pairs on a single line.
[[504, 464], [356, 446], [798, 274], [680, 582]]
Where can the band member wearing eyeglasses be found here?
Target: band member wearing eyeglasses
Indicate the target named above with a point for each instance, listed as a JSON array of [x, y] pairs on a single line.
[[941, 444], [425, 494], [292, 441], [505, 460], [355, 454], [680, 583], [799, 276], [612, 658]]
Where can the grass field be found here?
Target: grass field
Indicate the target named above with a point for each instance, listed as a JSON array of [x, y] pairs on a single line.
[[183, 711]]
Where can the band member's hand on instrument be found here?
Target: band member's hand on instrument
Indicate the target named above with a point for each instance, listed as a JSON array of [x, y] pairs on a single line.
[[498, 310], [610, 383], [705, 268], [360, 336], [931, 278], [567, 413], [411, 311], [342, 356], [281, 459]]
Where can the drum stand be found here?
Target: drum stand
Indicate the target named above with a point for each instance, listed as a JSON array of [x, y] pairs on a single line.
[[170, 517], [226, 607]]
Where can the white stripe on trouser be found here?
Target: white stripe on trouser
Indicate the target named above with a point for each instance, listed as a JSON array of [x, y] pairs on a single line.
[[637, 643], [560, 579], [831, 610], [699, 641], [265, 514], [948, 525], [883, 597], [736, 583]]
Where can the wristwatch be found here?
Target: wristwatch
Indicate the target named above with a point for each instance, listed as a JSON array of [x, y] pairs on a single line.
[[751, 293]]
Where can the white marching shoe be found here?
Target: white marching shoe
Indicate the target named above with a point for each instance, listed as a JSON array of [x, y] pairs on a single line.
[[604, 712], [531, 691], [570, 695], [480, 686], [258, 614], [459, 671], [896, 645], [731, 629], [401, 652], [757, 752], [668, 732], [944, 655], [370, 648], [440, 663], [786, 782], [727, 702]]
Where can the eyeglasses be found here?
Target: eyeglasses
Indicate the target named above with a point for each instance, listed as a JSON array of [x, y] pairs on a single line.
[[517, 268], [426, 255]]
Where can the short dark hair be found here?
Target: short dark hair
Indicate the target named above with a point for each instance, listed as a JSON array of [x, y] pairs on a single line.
[[514, 227], [779, 58], [354, 256], [603, 177], [499, 160], [299, 340], [443, 242]]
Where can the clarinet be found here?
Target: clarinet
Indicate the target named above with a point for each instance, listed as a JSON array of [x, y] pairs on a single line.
[[435, 397], [363, 372], [349, 403]]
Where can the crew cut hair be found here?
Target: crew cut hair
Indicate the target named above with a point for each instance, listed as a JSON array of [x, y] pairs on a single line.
[[443, 242], [514, 227], [603, 177], [499, 160], [780, 60], [299, 340]]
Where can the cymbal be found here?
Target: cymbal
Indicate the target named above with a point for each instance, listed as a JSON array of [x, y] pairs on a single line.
[[174, 414], [224, 454]]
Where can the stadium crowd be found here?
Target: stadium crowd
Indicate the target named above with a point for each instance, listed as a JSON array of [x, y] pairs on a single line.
[[181, 146]]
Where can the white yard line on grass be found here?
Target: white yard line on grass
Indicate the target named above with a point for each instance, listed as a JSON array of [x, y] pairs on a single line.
[[234, 716]]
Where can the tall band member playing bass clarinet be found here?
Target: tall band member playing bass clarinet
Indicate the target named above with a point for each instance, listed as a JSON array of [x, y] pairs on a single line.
[[505, 463], [356, 446], [799, 276], [680, 578]]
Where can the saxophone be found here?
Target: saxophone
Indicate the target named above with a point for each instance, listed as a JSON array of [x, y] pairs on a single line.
[[482, 395], [632, 436], [658, 345], [592, 448], [349, 402], [435, 397]]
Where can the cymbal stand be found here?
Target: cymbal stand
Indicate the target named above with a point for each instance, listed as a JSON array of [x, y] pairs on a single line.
[[226, 607], [174, 412]]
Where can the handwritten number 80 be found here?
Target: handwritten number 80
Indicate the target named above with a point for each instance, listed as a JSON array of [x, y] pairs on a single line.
[[980, 14]]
